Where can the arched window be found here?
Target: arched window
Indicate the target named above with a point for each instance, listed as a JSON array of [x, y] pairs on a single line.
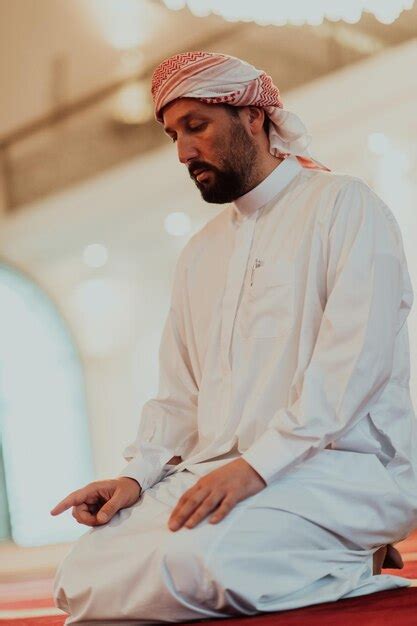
[[44, 431]]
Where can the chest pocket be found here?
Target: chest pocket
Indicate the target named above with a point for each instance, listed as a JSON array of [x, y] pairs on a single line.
[[268, 305]]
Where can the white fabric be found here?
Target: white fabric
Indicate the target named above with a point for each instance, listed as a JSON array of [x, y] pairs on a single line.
[[261, 557], [305, 374], [314, 354]]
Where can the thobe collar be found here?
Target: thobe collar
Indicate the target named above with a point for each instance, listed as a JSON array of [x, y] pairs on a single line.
[[248, 205]]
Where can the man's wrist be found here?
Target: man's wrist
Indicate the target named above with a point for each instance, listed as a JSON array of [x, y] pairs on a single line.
[[134, 479], [252, 470]]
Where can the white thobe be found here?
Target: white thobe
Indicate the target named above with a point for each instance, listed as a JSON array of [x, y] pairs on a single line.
[[286, 344]]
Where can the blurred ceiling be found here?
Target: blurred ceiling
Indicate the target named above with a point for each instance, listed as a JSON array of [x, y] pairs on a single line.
[[75, 76]]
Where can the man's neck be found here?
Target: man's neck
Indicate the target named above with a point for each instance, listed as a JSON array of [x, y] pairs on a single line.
[[267, 165]]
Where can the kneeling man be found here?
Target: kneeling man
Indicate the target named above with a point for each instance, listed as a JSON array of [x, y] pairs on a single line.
[[277, 463]]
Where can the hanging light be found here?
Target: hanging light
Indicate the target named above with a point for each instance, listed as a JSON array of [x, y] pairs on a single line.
[[121, 22], [132, 103], [297, 12]]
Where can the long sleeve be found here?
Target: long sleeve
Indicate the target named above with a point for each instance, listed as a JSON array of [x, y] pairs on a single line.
[[352, 359], [168, 422]]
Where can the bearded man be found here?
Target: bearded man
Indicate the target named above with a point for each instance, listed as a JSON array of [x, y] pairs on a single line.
[[276, 465]]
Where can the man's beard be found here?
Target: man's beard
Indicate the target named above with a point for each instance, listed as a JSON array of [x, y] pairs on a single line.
[[236, 176]]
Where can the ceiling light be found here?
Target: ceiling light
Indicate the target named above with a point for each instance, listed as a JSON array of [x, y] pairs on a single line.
[[132, 103], [177, 223], [122, 22], [378, 143], [95, 255], [279, 12]]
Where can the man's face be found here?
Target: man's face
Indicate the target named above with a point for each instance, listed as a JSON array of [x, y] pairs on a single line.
[[208, 138]]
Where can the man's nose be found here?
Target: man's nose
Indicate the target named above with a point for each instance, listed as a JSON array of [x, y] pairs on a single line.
[[187, 150]]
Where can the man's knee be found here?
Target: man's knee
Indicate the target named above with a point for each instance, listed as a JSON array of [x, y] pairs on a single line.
[[205, 581], [184, 568]]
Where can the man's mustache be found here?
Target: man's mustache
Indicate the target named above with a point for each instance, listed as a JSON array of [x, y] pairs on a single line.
[[197, 168]]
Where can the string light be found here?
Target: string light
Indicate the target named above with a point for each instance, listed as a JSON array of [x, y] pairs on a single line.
[[297, 12]]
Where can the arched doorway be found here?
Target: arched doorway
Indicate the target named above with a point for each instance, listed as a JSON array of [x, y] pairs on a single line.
[[44, 433]]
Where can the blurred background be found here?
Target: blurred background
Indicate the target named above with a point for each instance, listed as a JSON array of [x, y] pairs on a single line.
[[95, 207]]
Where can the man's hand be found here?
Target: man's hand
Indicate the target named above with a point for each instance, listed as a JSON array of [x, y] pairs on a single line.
[[96, 503], [217, 491]]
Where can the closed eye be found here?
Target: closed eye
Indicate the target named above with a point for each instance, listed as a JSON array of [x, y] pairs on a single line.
[[192, 129], [196, 128]]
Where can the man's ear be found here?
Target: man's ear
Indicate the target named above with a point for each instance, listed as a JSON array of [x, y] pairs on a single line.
[[256, 119]]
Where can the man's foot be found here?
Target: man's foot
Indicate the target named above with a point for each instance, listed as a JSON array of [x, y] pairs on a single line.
[[387, 557], [393, 558]]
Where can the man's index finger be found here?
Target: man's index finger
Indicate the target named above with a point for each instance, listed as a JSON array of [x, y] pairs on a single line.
[[73, 499]]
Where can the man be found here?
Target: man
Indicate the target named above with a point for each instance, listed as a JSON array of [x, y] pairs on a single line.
[[277, 461]]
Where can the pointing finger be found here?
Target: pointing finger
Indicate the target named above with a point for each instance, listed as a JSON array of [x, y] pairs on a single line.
[[73, 499]]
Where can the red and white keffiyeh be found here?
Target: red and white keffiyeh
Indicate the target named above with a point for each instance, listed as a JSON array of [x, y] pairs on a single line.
[[216, 78]]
